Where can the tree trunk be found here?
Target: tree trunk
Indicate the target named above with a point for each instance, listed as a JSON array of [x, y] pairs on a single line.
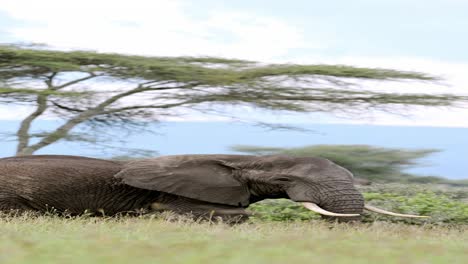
[[23, 131]]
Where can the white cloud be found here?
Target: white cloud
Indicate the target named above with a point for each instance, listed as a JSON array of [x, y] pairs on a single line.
[[9, 112], [153, 27]]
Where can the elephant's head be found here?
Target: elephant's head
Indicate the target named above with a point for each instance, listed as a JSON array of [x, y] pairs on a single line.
[[238, 180]]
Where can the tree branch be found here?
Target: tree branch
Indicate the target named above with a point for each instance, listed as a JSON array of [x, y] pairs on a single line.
[[49, 81], [139, 89], [151, 83], [23, 131], [67, 108], [90, 76], [117, 110], [25, 126], [60, 132]]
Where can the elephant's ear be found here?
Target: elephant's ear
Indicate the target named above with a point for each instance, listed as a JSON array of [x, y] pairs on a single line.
[[203, 179]]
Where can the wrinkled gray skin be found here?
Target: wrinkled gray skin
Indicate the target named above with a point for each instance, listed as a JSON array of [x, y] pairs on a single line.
[[214, 185]]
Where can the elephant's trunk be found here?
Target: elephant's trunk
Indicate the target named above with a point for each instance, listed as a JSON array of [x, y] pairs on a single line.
[[344, 199], [348, 201], [348, 207]]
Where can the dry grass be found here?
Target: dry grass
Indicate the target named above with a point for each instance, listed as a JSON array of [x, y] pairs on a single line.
[[49, 239]]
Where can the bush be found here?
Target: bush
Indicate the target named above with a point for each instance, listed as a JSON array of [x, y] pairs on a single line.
[[443, 208], [281, 210]]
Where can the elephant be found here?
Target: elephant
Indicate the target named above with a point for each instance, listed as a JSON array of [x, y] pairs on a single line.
[[213, 185]]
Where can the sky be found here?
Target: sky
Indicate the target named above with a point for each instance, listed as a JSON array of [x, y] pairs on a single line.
[[428, 36], [173, 138]]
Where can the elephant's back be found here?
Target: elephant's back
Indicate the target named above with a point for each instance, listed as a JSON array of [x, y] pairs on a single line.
[[62, 182], [54, 158], [42, 171], [55, 164]]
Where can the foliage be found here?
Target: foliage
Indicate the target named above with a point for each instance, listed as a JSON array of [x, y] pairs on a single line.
[[440, 208], [457, 193], [66, 84], [443, 207], [281, 210]]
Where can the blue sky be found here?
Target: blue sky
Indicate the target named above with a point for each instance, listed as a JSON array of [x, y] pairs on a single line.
[[434, 29], [174, 138]]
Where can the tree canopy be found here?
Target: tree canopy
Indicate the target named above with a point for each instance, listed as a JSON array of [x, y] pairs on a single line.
[[107, 90]]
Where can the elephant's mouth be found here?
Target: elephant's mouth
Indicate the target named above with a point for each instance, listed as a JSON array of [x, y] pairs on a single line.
[[314, 207]]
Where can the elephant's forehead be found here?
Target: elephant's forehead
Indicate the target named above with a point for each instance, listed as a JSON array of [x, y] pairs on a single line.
[[321, 170], [308, 164]]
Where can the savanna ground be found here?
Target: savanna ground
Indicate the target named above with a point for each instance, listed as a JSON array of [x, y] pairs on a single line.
[[281, 233]]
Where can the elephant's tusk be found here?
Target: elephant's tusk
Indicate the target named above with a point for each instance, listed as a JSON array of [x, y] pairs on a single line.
[[317, 209], [381, 211]]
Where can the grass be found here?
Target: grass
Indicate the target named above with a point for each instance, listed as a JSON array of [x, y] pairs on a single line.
[[281, 232], [50, 239]]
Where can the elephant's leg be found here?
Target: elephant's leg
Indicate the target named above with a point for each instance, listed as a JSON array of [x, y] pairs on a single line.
[[200, 209], [14, 206]]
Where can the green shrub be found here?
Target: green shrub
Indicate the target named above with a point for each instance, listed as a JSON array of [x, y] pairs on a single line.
[[281, 210], [441, 208]]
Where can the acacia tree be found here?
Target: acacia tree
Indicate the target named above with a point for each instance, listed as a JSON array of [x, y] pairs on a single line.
[[106, 90]]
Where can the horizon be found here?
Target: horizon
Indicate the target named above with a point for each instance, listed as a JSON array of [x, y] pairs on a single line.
[[173, 138]]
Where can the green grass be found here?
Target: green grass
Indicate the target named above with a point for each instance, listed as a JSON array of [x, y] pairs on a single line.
[[280, 232], [49, 239]]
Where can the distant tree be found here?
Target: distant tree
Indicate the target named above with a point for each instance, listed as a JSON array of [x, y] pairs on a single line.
[[99, 90], [375, 164]]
